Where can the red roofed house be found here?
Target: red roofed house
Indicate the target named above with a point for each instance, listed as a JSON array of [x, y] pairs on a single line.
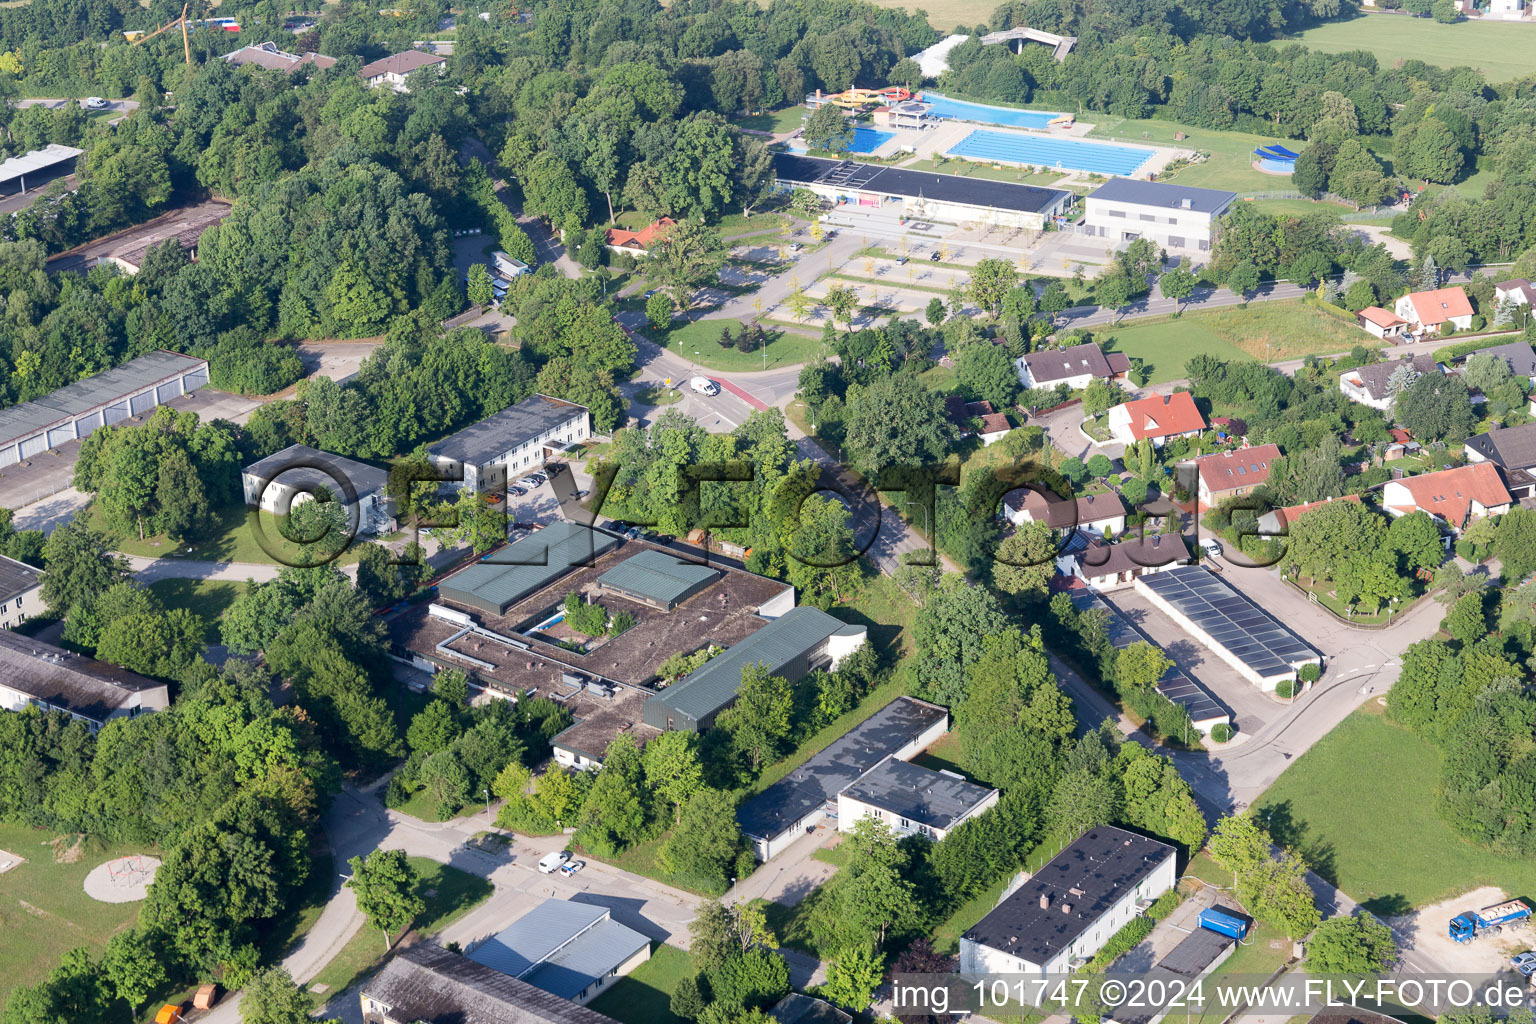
[[1381, 322], [1227, 474], [1456, 496], [1431, 311], [638, 243], [1281, 519], [993, 423], [1159, 417]]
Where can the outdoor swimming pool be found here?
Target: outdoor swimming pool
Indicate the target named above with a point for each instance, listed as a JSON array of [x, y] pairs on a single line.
[[1067, 154], [943, 106], [867, 140]]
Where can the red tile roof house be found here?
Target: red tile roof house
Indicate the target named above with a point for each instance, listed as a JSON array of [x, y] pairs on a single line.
[[1431, 311], [1227, 474], [993, 423], [1159, 417], [1383, 323], [638, 243], [1455, 496], [1280, 520], [1094, 514]]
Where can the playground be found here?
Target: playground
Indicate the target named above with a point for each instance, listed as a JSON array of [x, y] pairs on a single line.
[[122, 879]]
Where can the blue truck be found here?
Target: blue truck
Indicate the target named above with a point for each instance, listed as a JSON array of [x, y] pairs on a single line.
[[1473, 924], [1215, 920]]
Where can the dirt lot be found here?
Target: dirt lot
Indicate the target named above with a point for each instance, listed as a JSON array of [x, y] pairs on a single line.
[[1425, 931]]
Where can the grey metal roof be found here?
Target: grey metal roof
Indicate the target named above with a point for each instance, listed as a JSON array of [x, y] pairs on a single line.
[[943, 188], [1103, 865], [86, 687], [918, 794], [829, 772], [501, 432], [1174, 684], [1163, 194], [797, 1008], [1508, 448], [1517, 355], [1199, 949], [301, 467], [427, 983], [37, 160], [712, 686], [561, 947], [17, 578], [82, 396], [503, 578], [658, 576], [1242, 628]]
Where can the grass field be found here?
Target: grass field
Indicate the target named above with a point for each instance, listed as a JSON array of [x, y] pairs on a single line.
[[1231, 162], [207, 598], [449, 894], [1347, 804], [1265, 330], [1500, 50], [234, 537], [699, 342], [786, 120], [944, 15], [44, 911], [644, 996]]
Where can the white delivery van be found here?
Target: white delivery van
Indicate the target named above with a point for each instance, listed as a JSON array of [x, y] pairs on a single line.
[[704, 386]]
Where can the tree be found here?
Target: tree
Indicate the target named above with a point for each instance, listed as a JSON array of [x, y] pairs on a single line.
[[79, 564], [1073, 469], [897, 421], [758, 722], [1243, 279], [1416, 540], [991, 281], [1436, 407], [936, 311], [1358, 944], [480, 288], [1467, 621], [1099, 466], [1239, 845], [1026, 561], [1445, 12], [658, 311], [870, 897], [135, 967], [704, 844], [688, 256], [1113, 292], [385, 884], [672, 768], [1055, 300], [722, 932], [272, 997], [1140, 665], [842, 300], [949, 635], [987, 372], [852, 978], [1178, 284], [828, 128]]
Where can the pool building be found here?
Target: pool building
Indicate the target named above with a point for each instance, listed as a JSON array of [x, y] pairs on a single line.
[[1174, 216], [924, 195]]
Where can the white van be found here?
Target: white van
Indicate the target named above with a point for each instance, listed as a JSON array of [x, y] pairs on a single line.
[[550, 862], [704, 386]]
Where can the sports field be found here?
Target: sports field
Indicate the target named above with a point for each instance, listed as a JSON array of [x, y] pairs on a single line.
[[1499, 49]]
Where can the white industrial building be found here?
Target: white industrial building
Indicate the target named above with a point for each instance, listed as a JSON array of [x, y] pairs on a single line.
[[277, 482], [1059, 917], [34, 673], [21, 592], [513, 442], [1174, 216]]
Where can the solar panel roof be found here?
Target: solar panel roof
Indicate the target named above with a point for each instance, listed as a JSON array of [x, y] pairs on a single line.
[[1174, 684], [1245, 630]]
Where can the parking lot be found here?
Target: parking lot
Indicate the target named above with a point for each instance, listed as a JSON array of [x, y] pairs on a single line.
[[1426, 930]]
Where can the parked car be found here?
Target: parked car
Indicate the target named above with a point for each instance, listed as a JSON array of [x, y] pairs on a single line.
[[1211, 547], [552, 862], [571, 867], [795, 247], [493, 498], [95, 103], [537, 479], [1525, 963], [517, 491], [900, 260], [934, 256]]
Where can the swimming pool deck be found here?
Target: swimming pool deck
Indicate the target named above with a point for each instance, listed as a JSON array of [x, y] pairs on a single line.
[[935, 142]]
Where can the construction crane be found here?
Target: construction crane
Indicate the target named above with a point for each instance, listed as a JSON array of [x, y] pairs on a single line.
[[182, 21]]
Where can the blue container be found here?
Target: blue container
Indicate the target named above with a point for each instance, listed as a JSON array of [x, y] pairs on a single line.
[[1214, 920]]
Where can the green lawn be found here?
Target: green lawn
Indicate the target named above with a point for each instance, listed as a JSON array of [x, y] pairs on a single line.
[[449, 894], [1231, 162], [658, 395], [44, 911], [944, 15], [645, 995], [1264, 330], [207, 598], [1348, 804], [699, 342], [235, 535], [1500, 50], [786, 120], [1294, 206]]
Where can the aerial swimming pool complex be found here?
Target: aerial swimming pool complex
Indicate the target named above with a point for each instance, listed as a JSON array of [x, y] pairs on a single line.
[[1062, 154], [867, 140], [960, 110]]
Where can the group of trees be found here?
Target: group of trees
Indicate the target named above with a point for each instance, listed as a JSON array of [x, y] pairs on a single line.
[[1369, 560], [1271, 884], [737, 969]]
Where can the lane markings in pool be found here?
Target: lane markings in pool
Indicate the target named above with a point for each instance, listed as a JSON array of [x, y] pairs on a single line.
[[1068, 154]]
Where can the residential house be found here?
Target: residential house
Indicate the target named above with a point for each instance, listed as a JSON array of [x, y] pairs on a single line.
[[426, 984], [1383, 323], [1369, 385], [1076, 367], [1517, 355], [38, 674], [796, 1008], [1232, 473], [1513, 450], [1174, 216], [267, 55], [1095, 514], [572, 950], [1064, 913], [1433, 311], [21, 592], [1517, 290], [993, 424], [1105, 566], [638, 243], [1455, 496], [1160, 417], [274, 484], [513, 442], [1278, 521], [396, 69]]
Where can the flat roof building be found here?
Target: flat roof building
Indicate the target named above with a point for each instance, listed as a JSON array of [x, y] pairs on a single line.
[[38, 674], [426, 984], [42, 165], [21, 592], [275, 483], [792, 645], [910, 798], [1064, 913], [106, 398], [657, 578], [513, 442], [1173, 216], [571, 950], [923, 194], [505, 577], [779, 814]]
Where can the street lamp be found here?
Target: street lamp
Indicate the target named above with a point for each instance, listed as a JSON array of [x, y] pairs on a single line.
[[487, 808], [733, 889]]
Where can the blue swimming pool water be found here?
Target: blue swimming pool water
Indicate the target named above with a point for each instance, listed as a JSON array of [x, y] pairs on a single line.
[[1068, 154], [943, 106], [1277, 166], [867, 140]]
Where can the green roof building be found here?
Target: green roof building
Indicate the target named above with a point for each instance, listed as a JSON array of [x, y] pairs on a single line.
[[502, 579], [658, 579]]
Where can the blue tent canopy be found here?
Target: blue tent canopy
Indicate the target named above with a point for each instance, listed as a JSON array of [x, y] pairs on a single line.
[[1276, 153]]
